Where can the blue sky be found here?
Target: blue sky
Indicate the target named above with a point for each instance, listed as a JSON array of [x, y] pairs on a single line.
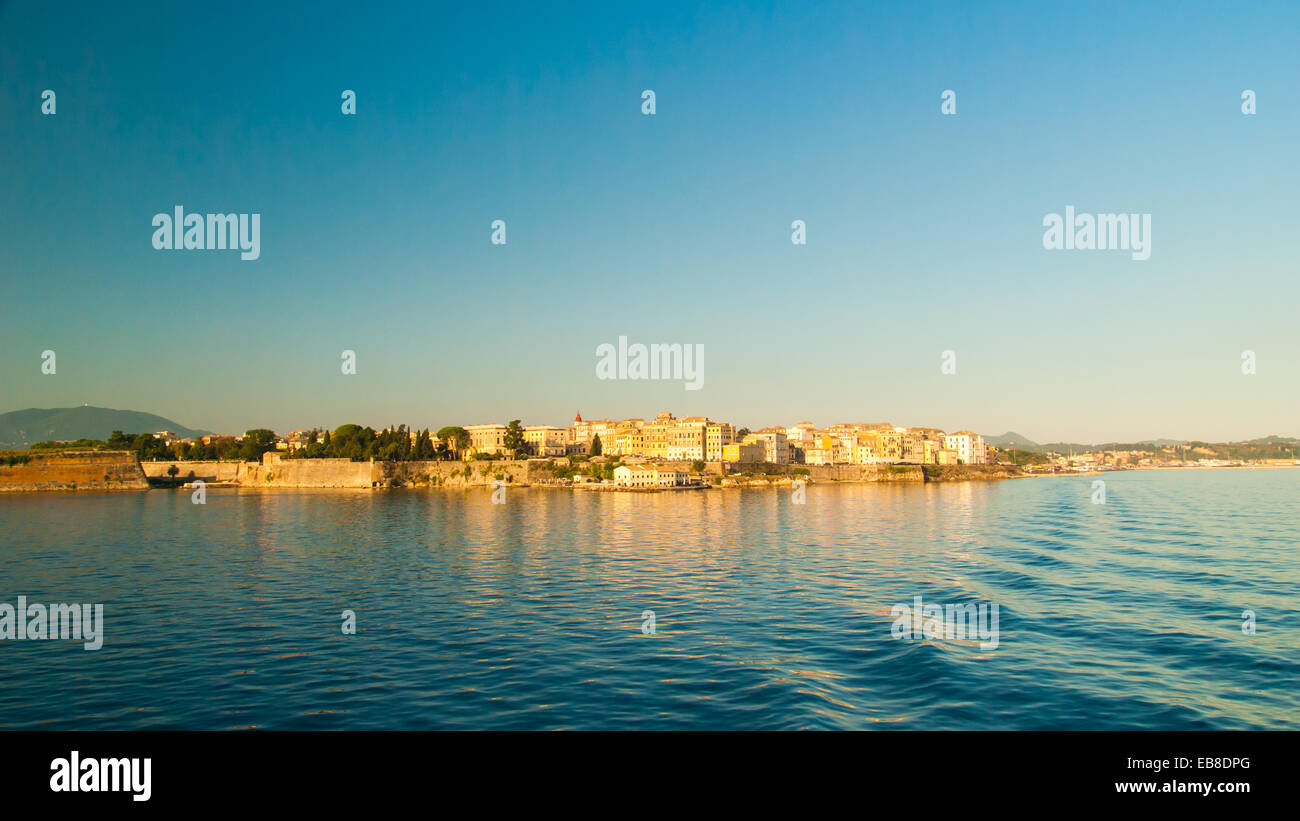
[[924, 231]]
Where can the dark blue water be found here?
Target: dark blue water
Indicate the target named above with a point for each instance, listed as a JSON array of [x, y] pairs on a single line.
[[769, 614]]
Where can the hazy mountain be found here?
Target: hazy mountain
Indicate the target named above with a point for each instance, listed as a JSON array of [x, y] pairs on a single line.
[[21, 428], [1274, 440], [1025, 443], [1080, 447], [1005, 440]]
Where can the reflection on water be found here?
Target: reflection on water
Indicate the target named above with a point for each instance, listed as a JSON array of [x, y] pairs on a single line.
[[769, 614]]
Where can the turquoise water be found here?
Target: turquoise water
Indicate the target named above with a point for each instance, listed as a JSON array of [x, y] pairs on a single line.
[[769, 614]]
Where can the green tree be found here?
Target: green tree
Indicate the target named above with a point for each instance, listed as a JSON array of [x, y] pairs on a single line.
[[596, 445], [458, 438], [514, 438], [256, 442], [150, 447], [423, 447]]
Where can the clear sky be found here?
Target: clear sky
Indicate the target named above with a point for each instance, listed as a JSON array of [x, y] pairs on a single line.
[[924, 231]]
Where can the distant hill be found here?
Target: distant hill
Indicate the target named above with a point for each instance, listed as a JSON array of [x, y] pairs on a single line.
[[1274, 440], [21, 428], [1025, 443], [1080, 447], [1005, 440]]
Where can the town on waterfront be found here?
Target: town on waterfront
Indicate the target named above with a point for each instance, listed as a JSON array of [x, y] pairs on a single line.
[[665, 452]]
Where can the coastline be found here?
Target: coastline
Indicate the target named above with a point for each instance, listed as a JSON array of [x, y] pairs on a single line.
[[118, 471], [1048, 475], [71, 471]]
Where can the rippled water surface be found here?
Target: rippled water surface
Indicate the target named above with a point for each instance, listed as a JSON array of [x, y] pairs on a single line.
[[770, 615]]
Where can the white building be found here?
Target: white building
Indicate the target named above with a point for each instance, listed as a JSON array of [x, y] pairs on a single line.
[[646, 476], [488, 438], [669, 477], [801, 434], [968, 445], [774, 445], [547, 440], [819, 456]]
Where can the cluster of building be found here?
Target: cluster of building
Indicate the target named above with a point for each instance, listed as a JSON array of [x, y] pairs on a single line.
[[289, 442], [698, 438], [170, 438]]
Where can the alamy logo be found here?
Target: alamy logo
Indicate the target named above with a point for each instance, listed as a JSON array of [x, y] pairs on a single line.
[[73, 774], [656, 361], [1098, 492], [219, 232], [37, 622], [955, 622], [1100, 232]]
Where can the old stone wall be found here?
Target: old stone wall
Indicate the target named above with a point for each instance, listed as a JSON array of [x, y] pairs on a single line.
[[74, 470]]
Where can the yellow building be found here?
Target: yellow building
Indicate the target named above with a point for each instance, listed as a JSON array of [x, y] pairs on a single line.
[[628, 441], [864, 455], [889, 446], [913, 448], [744, 452], [656, 436], [686, 439], [717, 435]]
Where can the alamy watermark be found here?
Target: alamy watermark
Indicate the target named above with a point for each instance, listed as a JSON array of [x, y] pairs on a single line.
[[1100, 232], [39, 622], [655, 361], [77, 774], [219, 232], [955, 622]]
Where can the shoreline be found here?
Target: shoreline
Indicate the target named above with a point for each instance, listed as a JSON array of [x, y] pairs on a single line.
[[121, 471], [1044, 474]]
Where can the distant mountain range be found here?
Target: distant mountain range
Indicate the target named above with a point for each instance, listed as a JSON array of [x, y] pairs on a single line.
[[21, 428], [1007, 439]]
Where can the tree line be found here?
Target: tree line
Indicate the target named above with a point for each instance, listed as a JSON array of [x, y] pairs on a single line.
[[344, 442]]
